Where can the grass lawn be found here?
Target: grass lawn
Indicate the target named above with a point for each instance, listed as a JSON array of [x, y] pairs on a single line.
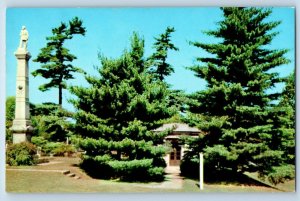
[[27, 182], [39, 181], [288, 186]]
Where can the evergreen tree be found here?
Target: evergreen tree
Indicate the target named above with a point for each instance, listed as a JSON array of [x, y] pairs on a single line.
[[235, 110], [10, 110], [162, 45], [160, 68], [116, 114], [284, 124], [289, 93], [50, 122], [10, 105], [56, 59]]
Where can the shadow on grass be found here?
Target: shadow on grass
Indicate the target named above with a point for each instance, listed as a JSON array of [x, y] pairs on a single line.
[[228, 177]]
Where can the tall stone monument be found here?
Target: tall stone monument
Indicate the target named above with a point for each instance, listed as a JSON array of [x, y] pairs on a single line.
[[21, 127]]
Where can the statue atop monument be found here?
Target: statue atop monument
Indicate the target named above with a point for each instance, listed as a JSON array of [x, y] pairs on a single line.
[[24, 36]]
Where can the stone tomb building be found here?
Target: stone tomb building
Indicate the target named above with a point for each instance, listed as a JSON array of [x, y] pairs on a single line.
[[174, 157]]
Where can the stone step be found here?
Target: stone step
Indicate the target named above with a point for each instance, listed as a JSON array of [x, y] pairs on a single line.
[[77, 177], [71, 175], [65, 172]]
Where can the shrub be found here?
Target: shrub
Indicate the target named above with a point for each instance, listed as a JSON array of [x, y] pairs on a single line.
[[9, 136], [38, 141], [189, 167], [134, 170], [156, 173], [63, 149], [281, 174], [21, 154], [50, 146], [96, 168], [105, 167]]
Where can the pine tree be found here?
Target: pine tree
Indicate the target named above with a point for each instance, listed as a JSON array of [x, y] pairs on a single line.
[[160, 68], [284, 124], [162, 45], [286, 118], [235, 110], [116, 114], [50, 122], [56, 59], [289, 93]]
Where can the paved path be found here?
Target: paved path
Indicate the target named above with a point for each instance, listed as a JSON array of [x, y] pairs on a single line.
[[173, 180], [50, 163], [35, 170]]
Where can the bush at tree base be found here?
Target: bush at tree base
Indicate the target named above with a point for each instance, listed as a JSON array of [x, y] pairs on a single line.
[[63, 150], [134, 170], [55, 148], [21, 154]]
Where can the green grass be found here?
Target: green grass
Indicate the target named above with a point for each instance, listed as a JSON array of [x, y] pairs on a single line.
[[28, 182], [37, 181], [288, 186]]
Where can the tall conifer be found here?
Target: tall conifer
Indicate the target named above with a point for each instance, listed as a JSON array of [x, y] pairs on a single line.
[[56, 59], [235, 109], [161, 68], [116, 114]]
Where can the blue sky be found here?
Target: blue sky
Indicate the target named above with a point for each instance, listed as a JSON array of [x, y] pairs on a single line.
[[109, 30]]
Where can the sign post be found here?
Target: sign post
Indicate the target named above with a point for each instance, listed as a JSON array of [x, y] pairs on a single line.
[[201, 171]]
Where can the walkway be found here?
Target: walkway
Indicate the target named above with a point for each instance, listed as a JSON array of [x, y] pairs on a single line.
[[173, 180]]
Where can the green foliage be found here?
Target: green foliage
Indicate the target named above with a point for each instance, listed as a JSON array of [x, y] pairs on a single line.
[[9, 114], [160, 67], [288, 97], [281, 174], [38, 141], [9, 136], [63, 150], [235, 111], [55, 148], [21, 154], [284, 122], [125, 170], [10, 110], [116, 114], [56, 59], [50, 122], [50, 146], [177, 118]]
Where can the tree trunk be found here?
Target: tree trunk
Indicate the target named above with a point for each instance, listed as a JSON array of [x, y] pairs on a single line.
[[60, 95]]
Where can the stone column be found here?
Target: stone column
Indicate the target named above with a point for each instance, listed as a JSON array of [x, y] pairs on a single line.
[[21, 127]]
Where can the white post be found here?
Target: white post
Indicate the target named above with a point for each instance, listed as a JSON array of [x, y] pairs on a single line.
[[67, 140], [201, 171]]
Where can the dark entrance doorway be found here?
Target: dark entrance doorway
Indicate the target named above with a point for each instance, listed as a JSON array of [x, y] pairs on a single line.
[[175, 155]]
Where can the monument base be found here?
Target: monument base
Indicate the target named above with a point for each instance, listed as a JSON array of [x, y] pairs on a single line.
[[21, 137]]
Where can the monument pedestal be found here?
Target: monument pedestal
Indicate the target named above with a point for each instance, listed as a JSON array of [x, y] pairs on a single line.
[[22, 130], [21, 137], [21, 127]]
